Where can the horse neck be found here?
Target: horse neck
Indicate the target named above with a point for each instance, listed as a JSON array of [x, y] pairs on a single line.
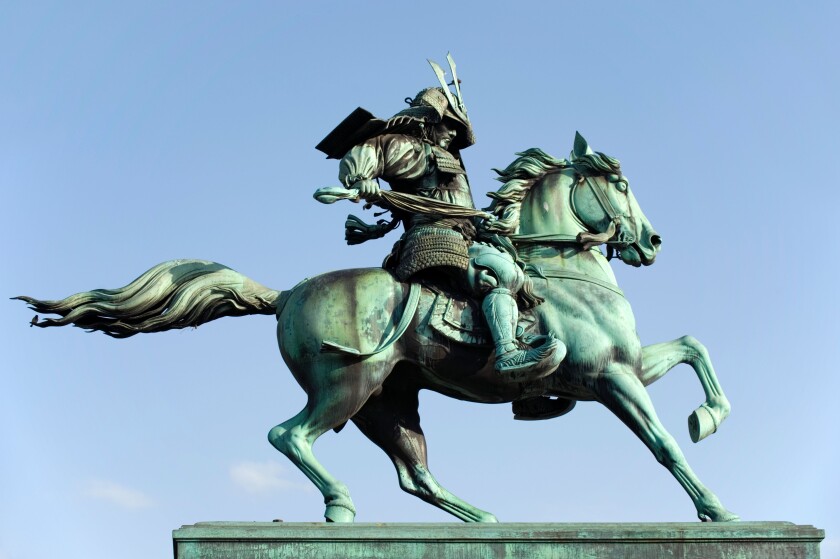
[[547, 211]]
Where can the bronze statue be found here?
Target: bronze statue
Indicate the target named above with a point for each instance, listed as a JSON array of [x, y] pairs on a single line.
[[362, 343]]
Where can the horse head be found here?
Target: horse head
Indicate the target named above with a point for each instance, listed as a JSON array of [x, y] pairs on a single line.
[[585, 199], [602, 200]]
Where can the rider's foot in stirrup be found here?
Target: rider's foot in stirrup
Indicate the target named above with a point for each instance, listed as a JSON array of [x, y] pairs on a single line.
[[522, 365]]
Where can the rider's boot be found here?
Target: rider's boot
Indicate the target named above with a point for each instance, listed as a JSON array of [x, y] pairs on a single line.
[[513, 362]]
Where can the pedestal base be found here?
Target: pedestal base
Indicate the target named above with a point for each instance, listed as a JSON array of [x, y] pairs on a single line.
[[267, 540]]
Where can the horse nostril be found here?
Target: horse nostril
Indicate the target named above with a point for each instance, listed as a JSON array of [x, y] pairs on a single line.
[[655, 240]]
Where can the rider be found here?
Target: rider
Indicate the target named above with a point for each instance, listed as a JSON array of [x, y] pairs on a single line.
[[418, 152]]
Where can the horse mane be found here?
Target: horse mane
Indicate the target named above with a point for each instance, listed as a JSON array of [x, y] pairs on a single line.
[[596, 164], [518, 178], [527, 170]]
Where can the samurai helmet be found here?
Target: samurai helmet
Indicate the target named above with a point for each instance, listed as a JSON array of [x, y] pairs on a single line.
[[433, 104]]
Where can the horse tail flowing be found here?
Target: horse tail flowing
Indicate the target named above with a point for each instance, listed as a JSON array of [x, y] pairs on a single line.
[[172, 295]]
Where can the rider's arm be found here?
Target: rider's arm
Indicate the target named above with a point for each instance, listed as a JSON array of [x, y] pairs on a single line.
[[389, 157]]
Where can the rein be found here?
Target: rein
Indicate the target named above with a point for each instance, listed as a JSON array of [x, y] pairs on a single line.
[[545, 238], [586, 239], [583, 239]]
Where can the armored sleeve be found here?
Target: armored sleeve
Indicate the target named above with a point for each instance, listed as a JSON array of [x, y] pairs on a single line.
[[389, 157]]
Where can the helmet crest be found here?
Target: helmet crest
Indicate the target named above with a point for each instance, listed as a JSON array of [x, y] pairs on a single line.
[[433, 104]]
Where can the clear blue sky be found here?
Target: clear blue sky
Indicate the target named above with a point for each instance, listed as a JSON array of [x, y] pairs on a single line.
[[135, 133]]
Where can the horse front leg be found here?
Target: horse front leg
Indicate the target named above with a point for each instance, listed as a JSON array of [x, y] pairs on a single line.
[[658, 359], [623, 393]]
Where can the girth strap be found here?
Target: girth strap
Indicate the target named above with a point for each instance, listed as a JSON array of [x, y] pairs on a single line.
[[537, 271]]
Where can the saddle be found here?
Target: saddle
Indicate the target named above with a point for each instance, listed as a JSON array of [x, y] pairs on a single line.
[[452, 315], [455, 317], [446, 313], [458, 317]]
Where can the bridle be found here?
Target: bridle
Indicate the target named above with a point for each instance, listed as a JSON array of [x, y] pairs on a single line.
[[612, 237], [584, 239]]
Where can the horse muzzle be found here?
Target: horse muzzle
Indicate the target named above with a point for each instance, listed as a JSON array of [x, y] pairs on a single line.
[[641, 253]]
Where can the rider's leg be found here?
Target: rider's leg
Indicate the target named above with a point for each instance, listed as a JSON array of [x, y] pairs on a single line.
[[494, 275], [502, 314]]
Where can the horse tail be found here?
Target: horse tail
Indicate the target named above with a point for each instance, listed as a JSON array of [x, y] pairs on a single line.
[[172, 295]]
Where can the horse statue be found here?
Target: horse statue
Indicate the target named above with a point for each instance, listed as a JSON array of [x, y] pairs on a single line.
[[362, 345]]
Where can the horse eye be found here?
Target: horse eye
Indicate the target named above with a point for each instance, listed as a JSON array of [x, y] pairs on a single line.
[[621, 186]]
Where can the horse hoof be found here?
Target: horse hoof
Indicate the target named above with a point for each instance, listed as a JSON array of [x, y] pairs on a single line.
[[725, 516], [701, 423], [337, 513]]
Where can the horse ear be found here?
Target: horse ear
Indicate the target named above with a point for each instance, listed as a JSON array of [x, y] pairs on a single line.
[[581, 146]]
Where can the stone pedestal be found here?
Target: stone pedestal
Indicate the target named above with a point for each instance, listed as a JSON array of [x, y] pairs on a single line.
[[266, 540]]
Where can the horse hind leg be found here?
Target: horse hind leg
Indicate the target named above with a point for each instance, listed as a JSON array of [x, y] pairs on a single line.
[[294, 438], [336, 393], [392, 422], [658, 359], [623, 393]]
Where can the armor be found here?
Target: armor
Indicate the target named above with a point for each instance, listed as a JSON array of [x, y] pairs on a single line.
[[431, 247]]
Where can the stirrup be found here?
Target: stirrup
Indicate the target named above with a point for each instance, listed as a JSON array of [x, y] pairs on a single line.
[[541, 407]]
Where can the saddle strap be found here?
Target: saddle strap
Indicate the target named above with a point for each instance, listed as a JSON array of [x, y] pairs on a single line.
[[545, 273], [389, 340]]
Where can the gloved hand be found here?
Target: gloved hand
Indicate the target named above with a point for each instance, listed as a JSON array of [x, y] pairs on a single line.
[[368, 189]]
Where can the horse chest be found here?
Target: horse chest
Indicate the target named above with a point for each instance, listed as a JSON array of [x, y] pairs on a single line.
[[596, 325]]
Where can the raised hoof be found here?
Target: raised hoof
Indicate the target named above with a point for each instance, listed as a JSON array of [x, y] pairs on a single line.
[[704, 421], [337, 513], [532, 364]]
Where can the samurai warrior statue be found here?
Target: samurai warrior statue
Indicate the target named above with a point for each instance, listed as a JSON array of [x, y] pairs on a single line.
[[418, 152]]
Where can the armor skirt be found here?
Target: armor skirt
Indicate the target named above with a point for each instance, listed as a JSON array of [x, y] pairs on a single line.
[[432, 247]]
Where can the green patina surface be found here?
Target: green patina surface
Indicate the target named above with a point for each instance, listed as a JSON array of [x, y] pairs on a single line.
[[516, 303], [265, 540]]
